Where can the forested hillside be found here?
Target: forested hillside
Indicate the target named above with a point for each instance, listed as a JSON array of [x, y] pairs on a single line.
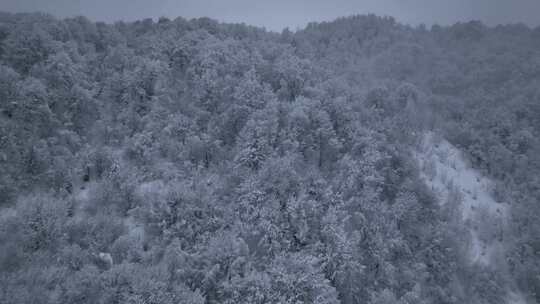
[[190, 161]]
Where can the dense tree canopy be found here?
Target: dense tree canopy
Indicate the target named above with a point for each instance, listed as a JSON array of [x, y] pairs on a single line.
[[189, 161]]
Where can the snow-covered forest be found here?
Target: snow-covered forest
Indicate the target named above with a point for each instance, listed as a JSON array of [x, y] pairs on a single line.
[[191, 161]]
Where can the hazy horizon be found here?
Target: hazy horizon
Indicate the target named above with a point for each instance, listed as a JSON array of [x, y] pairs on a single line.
[[280, 14]]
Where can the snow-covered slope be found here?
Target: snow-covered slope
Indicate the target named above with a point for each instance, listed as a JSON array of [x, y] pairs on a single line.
[[448, 174]]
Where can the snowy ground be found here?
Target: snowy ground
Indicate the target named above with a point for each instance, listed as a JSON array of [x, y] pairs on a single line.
[[448, 174], [82, 197]]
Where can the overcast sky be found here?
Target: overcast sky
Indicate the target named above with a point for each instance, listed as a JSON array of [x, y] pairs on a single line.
[[277, 14]]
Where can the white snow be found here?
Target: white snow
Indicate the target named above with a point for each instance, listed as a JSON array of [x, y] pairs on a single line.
[[82, 195], [446, 171], [515, 298], [135, 229]]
